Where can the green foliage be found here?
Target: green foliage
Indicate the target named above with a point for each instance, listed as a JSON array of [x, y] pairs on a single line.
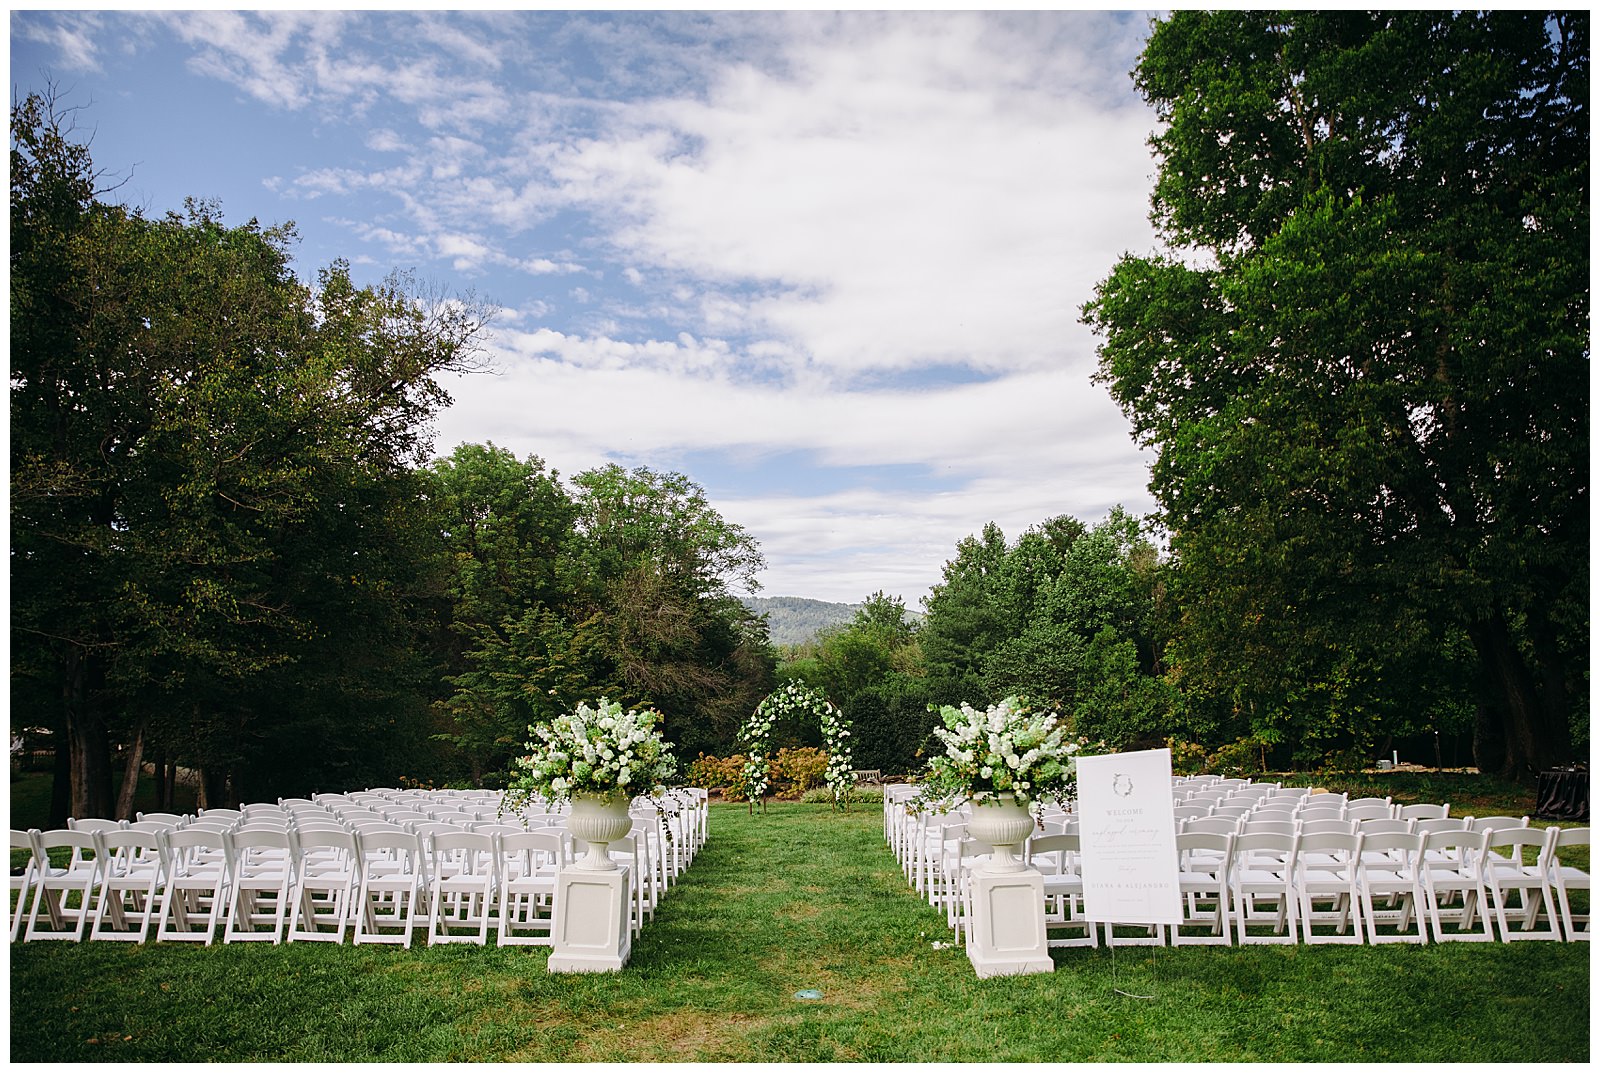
[[795, 771], [1068, 615], [209, 484], [612, 589], [891, 723], [1239, 759], [872, 670], [1188, 757], [230, 551], [1356, 366], [712, 773], [855, 795], [788, 774]]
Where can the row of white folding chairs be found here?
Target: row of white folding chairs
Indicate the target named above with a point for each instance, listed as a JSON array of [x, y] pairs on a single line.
[[685, 817], [689, 803], [1328, 887], [923, 844], [264, 884], [659, 850]]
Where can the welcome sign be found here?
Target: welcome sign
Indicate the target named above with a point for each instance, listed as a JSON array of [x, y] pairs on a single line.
[[1129, 843]]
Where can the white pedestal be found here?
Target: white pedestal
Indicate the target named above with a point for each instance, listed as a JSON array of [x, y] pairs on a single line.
[[590, 931], [1007, 936]]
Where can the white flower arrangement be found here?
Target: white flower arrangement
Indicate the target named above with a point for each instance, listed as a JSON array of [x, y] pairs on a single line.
[[1002, 749], [841, 763], [756, 739], [603, 750]]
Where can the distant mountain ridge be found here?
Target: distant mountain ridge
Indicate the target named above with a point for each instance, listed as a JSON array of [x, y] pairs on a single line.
[[794, 620]]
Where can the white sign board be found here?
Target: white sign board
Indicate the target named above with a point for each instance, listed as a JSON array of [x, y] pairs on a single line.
[[1128, 837]]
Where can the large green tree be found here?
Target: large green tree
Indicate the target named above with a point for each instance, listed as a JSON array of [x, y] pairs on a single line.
[[659, 566], [1066, 616], [1363, 362], [210, 482], [620, 586]]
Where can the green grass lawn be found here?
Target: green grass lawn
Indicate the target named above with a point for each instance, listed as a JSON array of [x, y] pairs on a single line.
[[798, 898]]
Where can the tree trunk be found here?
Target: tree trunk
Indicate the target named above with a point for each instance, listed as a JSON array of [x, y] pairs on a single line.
[[214, 788], [88, 744], [1534, 740], [61, 784], [1488, 738], [130, 774]]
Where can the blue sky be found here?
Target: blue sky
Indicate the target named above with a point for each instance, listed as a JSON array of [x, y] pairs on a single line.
[[828, 265]]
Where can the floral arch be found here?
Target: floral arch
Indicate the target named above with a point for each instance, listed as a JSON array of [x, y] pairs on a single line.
[[755, 737]]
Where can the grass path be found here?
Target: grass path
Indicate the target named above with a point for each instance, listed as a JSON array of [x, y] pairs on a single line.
[[799, 898]]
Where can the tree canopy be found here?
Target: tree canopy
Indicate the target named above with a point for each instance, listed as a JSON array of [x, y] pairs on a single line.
[[1363, 363], [210, 480]]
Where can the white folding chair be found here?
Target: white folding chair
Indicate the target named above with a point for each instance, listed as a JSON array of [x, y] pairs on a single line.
[[1205, 860], [1497, 823], [928, 854], [1389, 869], [327, 870], [1507, 872], [463, 874], [1326, 874], [195, 863], [393, 885], [1371, 802], [22, 883], [1423, 812], [261, 883], [628, 852], [67, 893], [958, 852], [1213, 825], [1359, 812], [1262, 885], [647, 830], [1055, 856], [1565, 878], [131, 879], [1451, 867], [963, 855], [529, 861]]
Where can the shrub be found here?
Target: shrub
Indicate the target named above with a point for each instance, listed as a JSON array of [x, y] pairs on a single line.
[[1188, 757], [794, 771], [1345, 762], [712, 773], [1241, 758]]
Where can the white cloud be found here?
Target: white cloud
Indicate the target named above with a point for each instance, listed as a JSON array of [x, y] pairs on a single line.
[[72, 34], [1014, 450], [912, 199], [384, 140]]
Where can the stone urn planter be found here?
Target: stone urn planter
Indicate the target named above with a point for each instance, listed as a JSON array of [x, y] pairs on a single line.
[[599, 819], [1005, 825]]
